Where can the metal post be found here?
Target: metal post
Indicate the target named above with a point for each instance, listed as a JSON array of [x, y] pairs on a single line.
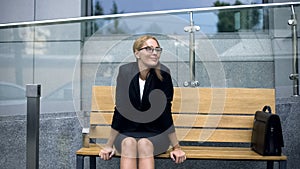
[[191, 29], [295, 75], [33, 93], [192, 50]]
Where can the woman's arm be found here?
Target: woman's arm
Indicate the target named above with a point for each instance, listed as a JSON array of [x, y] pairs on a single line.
[[108, 151], [173, 139], [177, 155], [113, 134]]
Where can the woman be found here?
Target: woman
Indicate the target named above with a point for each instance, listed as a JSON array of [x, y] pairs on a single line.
[[142, 125]]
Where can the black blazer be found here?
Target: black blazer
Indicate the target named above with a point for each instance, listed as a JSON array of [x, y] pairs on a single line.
[[152, 113]]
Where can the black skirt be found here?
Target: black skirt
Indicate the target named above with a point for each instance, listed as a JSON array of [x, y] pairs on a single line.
[[160, 142]]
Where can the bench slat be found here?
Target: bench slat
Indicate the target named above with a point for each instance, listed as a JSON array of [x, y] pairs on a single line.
[[189, 120], [220, 121], [202, 152], [222, 100], [214, 135], [103, 98], [204, 100], [223, 153], [191, 134]]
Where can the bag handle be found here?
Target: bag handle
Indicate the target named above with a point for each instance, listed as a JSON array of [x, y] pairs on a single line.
[[267, 108]]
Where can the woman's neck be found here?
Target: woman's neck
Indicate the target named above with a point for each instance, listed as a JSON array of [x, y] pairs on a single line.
[[144, 74], [144, 71]]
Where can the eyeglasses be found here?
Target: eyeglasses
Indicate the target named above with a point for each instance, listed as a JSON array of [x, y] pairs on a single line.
[[150, 49]]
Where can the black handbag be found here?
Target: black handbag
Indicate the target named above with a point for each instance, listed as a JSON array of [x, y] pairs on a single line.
[[267, 136]]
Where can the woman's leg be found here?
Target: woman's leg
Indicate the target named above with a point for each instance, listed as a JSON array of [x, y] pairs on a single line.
[[129, 153], [145, 152]]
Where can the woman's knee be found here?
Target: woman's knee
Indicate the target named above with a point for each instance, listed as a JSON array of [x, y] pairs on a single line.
[[145, 148], [129, 147]]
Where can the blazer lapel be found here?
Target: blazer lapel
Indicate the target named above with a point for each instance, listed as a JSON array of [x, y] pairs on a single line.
[[135, 82], [148, 87]]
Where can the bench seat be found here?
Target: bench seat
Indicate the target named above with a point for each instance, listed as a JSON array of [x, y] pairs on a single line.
[[210, 123]]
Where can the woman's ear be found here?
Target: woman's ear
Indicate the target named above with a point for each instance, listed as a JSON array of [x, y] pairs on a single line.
[[136, 54]]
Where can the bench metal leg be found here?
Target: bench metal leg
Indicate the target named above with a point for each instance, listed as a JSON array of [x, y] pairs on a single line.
[[270, 164], [92, 162], [79, 162], [282, 164]]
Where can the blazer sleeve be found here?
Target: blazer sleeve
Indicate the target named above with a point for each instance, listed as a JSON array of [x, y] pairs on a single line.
[[167, 87], [125, 75], [118, 120]]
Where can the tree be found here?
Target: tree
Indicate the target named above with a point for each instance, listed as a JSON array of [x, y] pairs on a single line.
[[115, 29], [235, 20], [226, 18], [98, 9]]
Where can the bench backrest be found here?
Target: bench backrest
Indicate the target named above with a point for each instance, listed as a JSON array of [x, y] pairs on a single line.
[[199, 114]]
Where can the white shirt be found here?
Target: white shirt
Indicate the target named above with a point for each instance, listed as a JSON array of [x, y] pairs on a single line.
[[142, 85]]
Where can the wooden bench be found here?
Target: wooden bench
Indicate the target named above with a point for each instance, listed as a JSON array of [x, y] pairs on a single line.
[[211, 123]]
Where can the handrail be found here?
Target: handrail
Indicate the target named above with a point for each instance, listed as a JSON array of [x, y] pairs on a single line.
[[295, 75], [77, 19]]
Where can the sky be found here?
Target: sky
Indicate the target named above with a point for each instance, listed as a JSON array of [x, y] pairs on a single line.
[[208, 20], [130, 6]]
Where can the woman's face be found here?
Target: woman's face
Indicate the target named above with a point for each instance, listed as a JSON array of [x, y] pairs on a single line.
[[148, 55]]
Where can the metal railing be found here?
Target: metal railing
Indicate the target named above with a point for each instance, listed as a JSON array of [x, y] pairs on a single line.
[[205, 9], [295, 75], [191, 29]]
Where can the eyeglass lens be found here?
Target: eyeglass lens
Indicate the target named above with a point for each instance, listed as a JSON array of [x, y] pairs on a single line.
[[150, 49]]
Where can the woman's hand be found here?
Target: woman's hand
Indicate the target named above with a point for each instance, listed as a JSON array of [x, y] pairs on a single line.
[[106, 153], [178, 156]]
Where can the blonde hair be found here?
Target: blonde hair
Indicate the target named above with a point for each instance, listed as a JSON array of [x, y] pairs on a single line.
[[139, 43]]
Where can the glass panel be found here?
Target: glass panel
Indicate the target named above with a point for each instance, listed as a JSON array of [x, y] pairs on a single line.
[[16, 69], [235, 47]]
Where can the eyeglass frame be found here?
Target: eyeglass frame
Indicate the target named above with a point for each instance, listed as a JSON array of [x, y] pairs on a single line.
[[151, 50]]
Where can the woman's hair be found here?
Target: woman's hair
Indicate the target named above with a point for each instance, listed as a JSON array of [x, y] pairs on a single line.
[[139, 43]]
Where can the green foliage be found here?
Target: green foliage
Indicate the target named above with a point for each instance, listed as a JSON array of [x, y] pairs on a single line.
[[235, 20], [98, 9], [115, 29]]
